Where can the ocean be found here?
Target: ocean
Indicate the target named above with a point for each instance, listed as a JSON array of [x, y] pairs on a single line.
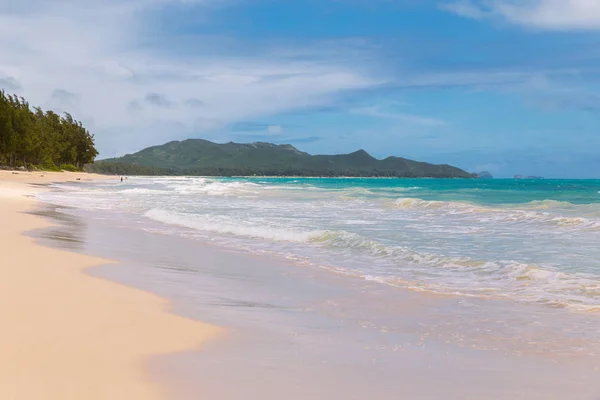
[[530, 241], [357, 288]]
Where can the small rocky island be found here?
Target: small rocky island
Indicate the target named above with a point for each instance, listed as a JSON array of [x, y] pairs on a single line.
[[483, 175]]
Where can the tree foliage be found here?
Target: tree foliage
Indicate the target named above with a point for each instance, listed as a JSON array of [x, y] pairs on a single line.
[[32, 137]]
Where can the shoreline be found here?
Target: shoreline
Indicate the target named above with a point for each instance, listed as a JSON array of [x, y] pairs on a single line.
[[294, 332], [425, 178], [68, 334], [306, 333]]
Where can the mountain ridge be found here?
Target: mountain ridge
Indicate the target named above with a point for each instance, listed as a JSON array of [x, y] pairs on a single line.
[[201, 157]]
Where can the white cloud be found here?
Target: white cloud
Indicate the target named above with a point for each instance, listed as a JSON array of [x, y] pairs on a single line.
[[274, 129], [132, 95], [466, 8], [540, 14], [378, 112]]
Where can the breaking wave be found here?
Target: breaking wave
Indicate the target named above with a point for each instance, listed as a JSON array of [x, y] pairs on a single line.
[[419, 270], [229, 225], [143, 191], [540, 251], [508, 214], [216, 188]]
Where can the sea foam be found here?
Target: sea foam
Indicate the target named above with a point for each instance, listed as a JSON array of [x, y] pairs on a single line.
[[412, 234]]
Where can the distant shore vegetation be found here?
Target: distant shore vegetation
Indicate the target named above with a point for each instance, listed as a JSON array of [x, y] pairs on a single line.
[[197, 157], [35, 139]]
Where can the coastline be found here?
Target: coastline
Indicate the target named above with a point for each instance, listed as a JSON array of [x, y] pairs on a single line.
[[295, 332], [298, 332], [67, 334], [496, 179]]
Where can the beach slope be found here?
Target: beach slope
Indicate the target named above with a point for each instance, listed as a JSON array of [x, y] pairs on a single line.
[[67, 335]]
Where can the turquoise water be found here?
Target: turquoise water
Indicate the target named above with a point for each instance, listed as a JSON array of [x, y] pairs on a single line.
[[532, 241], [480, 191]]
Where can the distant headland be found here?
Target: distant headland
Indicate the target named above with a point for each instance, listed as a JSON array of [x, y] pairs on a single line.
[[198, 157]]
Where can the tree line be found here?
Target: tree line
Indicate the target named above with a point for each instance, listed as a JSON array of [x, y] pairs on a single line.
[[30, 137], [121, 168]]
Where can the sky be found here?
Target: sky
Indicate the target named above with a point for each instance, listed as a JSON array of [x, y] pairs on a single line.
[[507, 86]]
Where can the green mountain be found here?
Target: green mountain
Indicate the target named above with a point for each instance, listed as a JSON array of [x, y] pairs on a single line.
[[203, 158]]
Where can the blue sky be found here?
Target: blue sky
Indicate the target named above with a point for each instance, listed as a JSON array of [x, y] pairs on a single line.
[[501, 85]]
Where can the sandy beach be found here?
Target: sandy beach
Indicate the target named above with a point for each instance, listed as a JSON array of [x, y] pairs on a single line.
[[65, 334], [85, 315]]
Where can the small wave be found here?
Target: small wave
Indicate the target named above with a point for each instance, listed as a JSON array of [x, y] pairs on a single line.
[[409, 202], [358, 222], [548, 204], [451, 207], [531, 215], [230, 225], [349, 240], [161, 179], [143, 191], [547, 219], [216, 188], [583, 210], [358, 191], [275, 223], [405, 189], [467, 276]]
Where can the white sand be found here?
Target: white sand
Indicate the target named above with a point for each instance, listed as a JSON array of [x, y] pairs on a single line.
[[66, 335]]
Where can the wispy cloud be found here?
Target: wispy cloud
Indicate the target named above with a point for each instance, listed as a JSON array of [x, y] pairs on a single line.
[[275, 129], [141, 72], [552, 99], [9, 84], [158, 100], [540, 14], [249, 126], [253, 128], [466, 8], [134, 92], [134, 106], [64, 98], [526, 161], [378, 112], [194, 102]]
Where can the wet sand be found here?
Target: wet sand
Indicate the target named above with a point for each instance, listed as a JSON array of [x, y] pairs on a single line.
[[297, 333], [68, 335]]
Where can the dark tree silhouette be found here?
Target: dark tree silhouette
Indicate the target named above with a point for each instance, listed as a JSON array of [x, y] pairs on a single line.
[[31, 137]]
